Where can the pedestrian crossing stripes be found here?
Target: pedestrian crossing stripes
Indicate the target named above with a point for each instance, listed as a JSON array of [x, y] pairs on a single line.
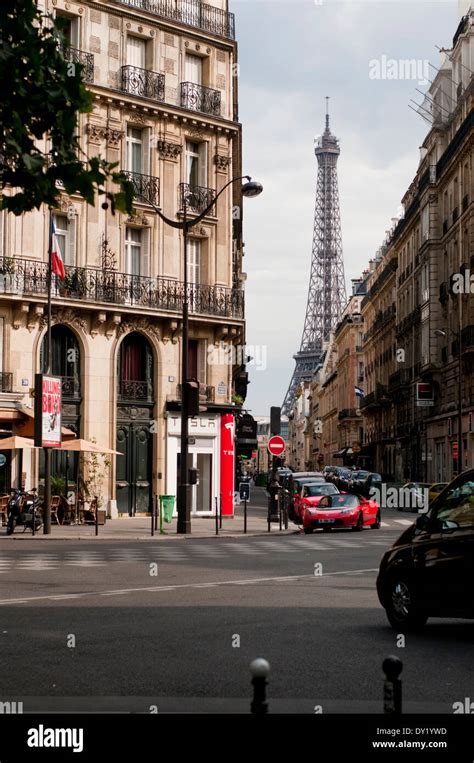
[[174, 552]]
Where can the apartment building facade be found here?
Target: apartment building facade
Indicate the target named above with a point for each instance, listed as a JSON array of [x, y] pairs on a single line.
[[164, 81]]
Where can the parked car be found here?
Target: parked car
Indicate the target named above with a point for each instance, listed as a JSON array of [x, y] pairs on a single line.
[[311, 494], [428, 572], [335, 474], [371, 484], [357, 480], [344, 478], [342, 510], [417, 498], [328, 470]]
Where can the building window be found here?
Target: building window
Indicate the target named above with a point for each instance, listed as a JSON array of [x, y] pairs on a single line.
[[193, 69], [136, 159], [197, 360], [196, 164], [66, 238], [136, 52], [194, 261], [70, 33], [135, 260]]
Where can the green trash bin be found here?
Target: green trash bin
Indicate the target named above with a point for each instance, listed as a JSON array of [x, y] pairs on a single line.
[[166, 509]]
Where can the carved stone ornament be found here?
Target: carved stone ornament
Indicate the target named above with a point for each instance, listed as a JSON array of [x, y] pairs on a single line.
[[66, 316], [169, 150], [195, 132], [140, 324], [137, 118], [222, 162], [96, 133], [138, 218], [114, 138]]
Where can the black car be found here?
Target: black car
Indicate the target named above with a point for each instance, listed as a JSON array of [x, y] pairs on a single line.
[[429, 570], [357, 480]]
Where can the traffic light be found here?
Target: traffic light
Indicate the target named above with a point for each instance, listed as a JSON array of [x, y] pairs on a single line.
[[192, 391], [241, 383], [275, 420]]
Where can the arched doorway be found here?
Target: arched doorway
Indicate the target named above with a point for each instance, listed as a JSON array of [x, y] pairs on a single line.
[[66, 363], [135, 404]]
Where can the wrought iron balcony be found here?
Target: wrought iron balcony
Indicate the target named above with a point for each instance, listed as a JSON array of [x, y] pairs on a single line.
[[147, 187], [135, 390], [143, 83], [196, 197], [206, 394], [6, 381], [348, 413], [191, 12], [76, 56], [96, 286], [70, 386], [200, 98], [399, 379]]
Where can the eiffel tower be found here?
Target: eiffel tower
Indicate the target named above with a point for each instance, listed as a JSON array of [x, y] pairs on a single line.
[[327, 290]]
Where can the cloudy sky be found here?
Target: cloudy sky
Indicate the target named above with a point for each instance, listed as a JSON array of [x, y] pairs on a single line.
[[292, 54]]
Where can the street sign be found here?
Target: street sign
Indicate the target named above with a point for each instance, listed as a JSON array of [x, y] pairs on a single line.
[[244, 491], [276, 445], [424, 395]]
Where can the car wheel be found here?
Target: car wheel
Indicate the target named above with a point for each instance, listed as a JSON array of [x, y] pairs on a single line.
[[401, 608], [377, 523], [308, 530], [360, 523]]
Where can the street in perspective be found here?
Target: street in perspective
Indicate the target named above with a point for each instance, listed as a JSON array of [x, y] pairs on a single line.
[[236, 371]]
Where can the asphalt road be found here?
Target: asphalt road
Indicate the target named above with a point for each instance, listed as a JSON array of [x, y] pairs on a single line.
[[173, 625]]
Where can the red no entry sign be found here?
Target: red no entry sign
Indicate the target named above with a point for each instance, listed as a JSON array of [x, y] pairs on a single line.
[[276, 445]]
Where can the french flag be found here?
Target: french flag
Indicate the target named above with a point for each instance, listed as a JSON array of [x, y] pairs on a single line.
[[57, 264]]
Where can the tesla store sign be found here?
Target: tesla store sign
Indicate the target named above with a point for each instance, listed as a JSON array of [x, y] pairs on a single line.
[[47, 411]]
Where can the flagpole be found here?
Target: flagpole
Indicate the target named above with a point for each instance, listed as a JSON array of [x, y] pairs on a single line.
[[49, 356]]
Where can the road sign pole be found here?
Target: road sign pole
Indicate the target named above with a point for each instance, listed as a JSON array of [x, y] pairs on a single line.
[[245, 516]]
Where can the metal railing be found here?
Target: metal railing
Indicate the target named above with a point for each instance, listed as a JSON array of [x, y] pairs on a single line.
[[191, 12], [348, 413], [135, 390], [76, 56], [197, 198], [92, 285], [144, 83], [200, 98], [147, 187]]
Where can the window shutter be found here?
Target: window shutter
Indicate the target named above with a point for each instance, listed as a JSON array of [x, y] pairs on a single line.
[[145, 151], [203, 164], [70, 253], [145, 253], [193, 69]]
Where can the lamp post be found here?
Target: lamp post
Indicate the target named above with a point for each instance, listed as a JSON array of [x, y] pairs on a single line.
[[457, 336], [250, 189]]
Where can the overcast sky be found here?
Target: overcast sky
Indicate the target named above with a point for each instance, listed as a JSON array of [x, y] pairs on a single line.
[[292, 54]]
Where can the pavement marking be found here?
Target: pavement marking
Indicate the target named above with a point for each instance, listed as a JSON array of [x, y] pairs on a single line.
[[403, 521], [183, 586]]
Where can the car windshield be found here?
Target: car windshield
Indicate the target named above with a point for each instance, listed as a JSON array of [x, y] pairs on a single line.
[[360, 475], [312, 490], [343, 502], [457, 508]]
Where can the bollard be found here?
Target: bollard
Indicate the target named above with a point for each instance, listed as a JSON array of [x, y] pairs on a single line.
[[280, 515], [217, 518], [392, 688], [245, 515], [96, 515], [156, 512], [153, 507], [260, 669], [220, 511]]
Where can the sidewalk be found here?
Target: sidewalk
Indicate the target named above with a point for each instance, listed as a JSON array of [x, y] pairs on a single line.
[[139, 528]]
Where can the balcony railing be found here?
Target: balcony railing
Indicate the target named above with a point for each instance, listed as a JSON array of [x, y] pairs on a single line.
[[191, 12], [467, 341], [143, 83], [135, 390], [6, 381], [399, 379], [95, 286], [146, 187], [348, 413], [206, 393], [196, 197], [70, 386], [76, 56], [200, 98]]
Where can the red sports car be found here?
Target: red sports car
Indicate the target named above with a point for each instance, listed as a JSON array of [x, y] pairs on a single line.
[[310, 495], [343, 510]]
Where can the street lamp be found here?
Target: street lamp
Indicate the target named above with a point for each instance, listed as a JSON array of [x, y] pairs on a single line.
[[457, 336], [249, 189]]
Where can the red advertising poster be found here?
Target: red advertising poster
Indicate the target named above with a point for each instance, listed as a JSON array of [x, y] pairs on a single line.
[[47, 411], [227, 464]]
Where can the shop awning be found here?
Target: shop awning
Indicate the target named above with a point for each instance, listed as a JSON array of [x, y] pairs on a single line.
[[26, 424]]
